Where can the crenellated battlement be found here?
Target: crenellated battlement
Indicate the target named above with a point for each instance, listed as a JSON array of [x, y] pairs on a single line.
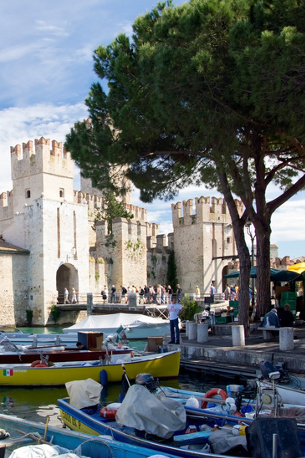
[[41, 156], [203, 210]]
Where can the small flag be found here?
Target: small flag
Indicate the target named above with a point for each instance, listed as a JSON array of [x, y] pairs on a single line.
[[8, 372]]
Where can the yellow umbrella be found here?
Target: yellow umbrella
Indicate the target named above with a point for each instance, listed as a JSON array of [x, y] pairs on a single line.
[[299, 268]]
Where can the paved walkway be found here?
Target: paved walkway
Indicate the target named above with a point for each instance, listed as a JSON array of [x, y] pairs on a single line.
[[219, 351]]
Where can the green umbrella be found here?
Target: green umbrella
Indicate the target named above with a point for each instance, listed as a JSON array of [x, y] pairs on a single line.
[[253, 273]]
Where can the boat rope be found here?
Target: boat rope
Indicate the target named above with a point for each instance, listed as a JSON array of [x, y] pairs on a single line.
[[78, 449]]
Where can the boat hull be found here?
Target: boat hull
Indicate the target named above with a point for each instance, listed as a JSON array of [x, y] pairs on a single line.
[[91, 447], [163, 365], [57, 355]]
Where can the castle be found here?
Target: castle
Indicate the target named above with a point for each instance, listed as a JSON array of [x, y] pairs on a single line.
[[48, 243]]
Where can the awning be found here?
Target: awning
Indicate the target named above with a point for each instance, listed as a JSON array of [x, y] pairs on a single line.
[[299, 268], [275, 274]]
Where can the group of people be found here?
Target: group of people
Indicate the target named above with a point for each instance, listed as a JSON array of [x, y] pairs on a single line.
[[212, 292], [280, 317], [70, 298], [147, 294]]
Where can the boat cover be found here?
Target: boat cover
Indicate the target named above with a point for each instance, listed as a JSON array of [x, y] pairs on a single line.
[[144, 411], [84, 393], [43, 451], [115, 321]]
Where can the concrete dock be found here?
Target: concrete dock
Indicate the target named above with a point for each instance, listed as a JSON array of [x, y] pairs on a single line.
[[218, 355]]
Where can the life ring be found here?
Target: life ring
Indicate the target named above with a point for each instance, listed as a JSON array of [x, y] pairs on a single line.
[[38, 363], [105, 413], [211, 393]]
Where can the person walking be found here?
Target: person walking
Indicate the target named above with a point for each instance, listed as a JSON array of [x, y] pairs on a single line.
[[66, 296], [174, 310], [73, 297]]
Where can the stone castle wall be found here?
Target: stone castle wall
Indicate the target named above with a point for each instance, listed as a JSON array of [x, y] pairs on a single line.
[[45, 215]]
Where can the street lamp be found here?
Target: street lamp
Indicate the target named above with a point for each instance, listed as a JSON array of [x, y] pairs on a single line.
[[252, 238]]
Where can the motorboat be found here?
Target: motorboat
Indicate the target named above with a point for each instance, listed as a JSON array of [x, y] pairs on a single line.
[[42, 373], [136, 326], [161, 423], [27, 438]]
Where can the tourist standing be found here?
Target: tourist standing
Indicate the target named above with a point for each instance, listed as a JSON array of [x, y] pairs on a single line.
[[197, 293], [179, 292], [174, 310], [104, 293], [212, 292], [123, 293], [113, 294], [227, 292]]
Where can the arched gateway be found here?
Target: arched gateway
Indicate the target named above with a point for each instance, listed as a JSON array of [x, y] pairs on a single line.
[[66, 277]]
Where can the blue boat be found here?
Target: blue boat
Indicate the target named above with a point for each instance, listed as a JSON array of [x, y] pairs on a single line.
[[195, 439], [24, 432]]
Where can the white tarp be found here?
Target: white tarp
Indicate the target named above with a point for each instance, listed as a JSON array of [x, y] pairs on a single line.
[[44, 451], [144, 411], [114, 321], [84, 393]]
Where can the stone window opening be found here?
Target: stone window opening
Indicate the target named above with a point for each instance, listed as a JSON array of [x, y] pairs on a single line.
[[61, 192], [27, 193]]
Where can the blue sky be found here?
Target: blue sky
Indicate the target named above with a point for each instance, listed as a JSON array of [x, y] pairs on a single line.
[[46, 70]]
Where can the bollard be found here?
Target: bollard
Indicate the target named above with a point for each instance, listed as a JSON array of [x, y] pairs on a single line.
[[202, 332], [238, 336], [192, 330], [132, 300], [187, 328], [89, 303], [286, 339]]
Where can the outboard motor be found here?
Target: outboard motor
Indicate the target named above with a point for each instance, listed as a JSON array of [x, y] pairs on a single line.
[[148, 381], [267, 368]]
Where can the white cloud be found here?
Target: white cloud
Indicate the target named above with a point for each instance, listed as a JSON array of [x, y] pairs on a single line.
[[18, 125]]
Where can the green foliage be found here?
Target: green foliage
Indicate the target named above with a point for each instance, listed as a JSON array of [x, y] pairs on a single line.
[[29, 317], [55, 313], [172, 272], [112, 208], [190, 308], [207, 92]]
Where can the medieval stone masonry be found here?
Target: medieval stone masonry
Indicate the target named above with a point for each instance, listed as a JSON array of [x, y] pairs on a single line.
[[50, 239]]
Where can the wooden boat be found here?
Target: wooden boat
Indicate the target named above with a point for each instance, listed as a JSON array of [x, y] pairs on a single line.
[[162, 365], [60, 353], [136, 326], [29, 432]]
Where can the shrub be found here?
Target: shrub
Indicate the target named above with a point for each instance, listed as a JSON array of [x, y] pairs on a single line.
[[190, 308], [55, 312]]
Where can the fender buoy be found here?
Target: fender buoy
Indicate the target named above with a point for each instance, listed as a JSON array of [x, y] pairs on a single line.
[[104, 377], [35, 363], [211, 393], [105, 413], [39, 363]]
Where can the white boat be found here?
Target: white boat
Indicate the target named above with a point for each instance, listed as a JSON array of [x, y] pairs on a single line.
[[18, 337], [136, 326]]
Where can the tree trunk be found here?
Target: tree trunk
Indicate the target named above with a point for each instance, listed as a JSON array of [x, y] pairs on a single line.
[[244, 279], [263, 268]]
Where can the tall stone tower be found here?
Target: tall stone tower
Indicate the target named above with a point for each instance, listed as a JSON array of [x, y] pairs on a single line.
[[40, 215], [204, 242]]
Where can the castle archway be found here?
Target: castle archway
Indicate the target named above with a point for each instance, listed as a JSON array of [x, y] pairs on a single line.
[[66, 277]]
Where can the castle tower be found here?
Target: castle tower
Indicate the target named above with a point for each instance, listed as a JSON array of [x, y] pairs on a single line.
[[204, 242], [45, 221]]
